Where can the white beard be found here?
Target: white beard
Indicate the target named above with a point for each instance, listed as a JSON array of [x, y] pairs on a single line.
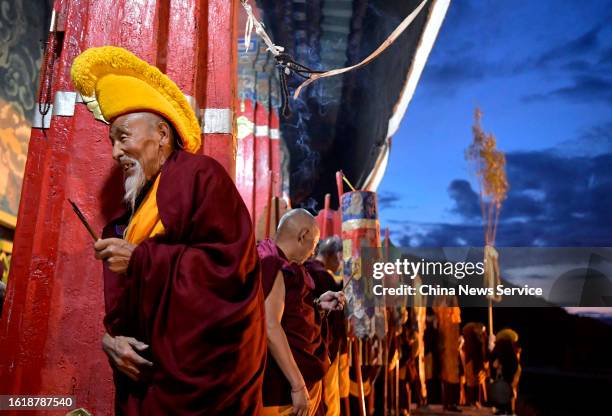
[[134, 183]]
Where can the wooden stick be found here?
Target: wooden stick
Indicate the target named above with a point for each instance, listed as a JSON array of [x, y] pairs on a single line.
[[348, 183], [347, 282], [386, 344], [387, 243], [397, 377], [81, 217], [325, 214], [327, 201], [358, 376], [339, 176], [490, 318], [385, 375]]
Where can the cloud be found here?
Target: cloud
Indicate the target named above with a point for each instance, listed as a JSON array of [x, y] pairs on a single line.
[[556, 198], [388, 199], [585, 88], [583, 59], [586, 63], [457, 58], [605, 60], [456, 72], [571, 55], [594, 140], [466, 200], [577, 65], [580, 45]]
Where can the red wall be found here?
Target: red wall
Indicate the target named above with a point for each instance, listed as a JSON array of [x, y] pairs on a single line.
[[51, 328]]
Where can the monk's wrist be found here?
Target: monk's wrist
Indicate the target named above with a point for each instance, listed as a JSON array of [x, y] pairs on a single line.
[[296, 390], [297, 383]]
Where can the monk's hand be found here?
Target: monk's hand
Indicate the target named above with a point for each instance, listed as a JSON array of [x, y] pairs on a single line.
[[116, 252], [122, 353], [332, 301], [301, 401], [491, 342]]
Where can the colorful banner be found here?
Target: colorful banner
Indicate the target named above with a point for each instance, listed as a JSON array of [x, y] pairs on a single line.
[[360, 229]]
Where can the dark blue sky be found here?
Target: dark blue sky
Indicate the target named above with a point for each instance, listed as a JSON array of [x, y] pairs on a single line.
[[541, 72]]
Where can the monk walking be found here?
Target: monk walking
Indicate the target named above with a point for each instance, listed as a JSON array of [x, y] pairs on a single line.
[[183, 298], [297, 359]]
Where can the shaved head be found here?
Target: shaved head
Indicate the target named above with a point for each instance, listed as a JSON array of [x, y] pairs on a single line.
[[295, 219], [297, 234]]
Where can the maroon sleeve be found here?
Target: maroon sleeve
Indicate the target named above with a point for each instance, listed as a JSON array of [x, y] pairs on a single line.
[[194, 295], [269, 270], [114, 284], [271, 263]]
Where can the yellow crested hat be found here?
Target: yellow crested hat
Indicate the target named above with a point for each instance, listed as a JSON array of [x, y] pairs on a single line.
[[122, 83]]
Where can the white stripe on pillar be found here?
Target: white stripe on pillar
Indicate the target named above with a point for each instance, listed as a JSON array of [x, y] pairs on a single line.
[[217, 120], [261, 131]]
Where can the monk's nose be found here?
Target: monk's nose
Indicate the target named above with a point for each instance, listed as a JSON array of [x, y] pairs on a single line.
[[117, 151]]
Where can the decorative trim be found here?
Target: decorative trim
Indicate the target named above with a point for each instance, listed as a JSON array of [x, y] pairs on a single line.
[[244, 127], [37, 119], [262, 131], [355, 224], [217, 120], [63, 104], [274, 134]]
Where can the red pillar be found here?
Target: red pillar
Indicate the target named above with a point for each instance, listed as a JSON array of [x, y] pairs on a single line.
[[245, 120], [275, 155], [180, 45], [262, 166], [51, 327], [245, 154], [221, 82]]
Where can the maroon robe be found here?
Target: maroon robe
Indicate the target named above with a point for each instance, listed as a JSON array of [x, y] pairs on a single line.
[[334, 327], [194, 296], [301, 323]]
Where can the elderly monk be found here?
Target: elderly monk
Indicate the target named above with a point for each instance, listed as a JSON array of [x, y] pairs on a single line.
[[183, 298], [297, 359], [323, 269]]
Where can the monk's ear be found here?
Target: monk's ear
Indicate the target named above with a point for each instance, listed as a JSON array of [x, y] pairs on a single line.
[[302, 235], [165, 134]]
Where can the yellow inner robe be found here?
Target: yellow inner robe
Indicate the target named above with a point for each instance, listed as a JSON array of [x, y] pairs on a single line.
[[145, 223]]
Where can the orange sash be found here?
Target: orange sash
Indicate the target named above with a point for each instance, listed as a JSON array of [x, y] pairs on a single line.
[[315, 398], [145, 222]]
